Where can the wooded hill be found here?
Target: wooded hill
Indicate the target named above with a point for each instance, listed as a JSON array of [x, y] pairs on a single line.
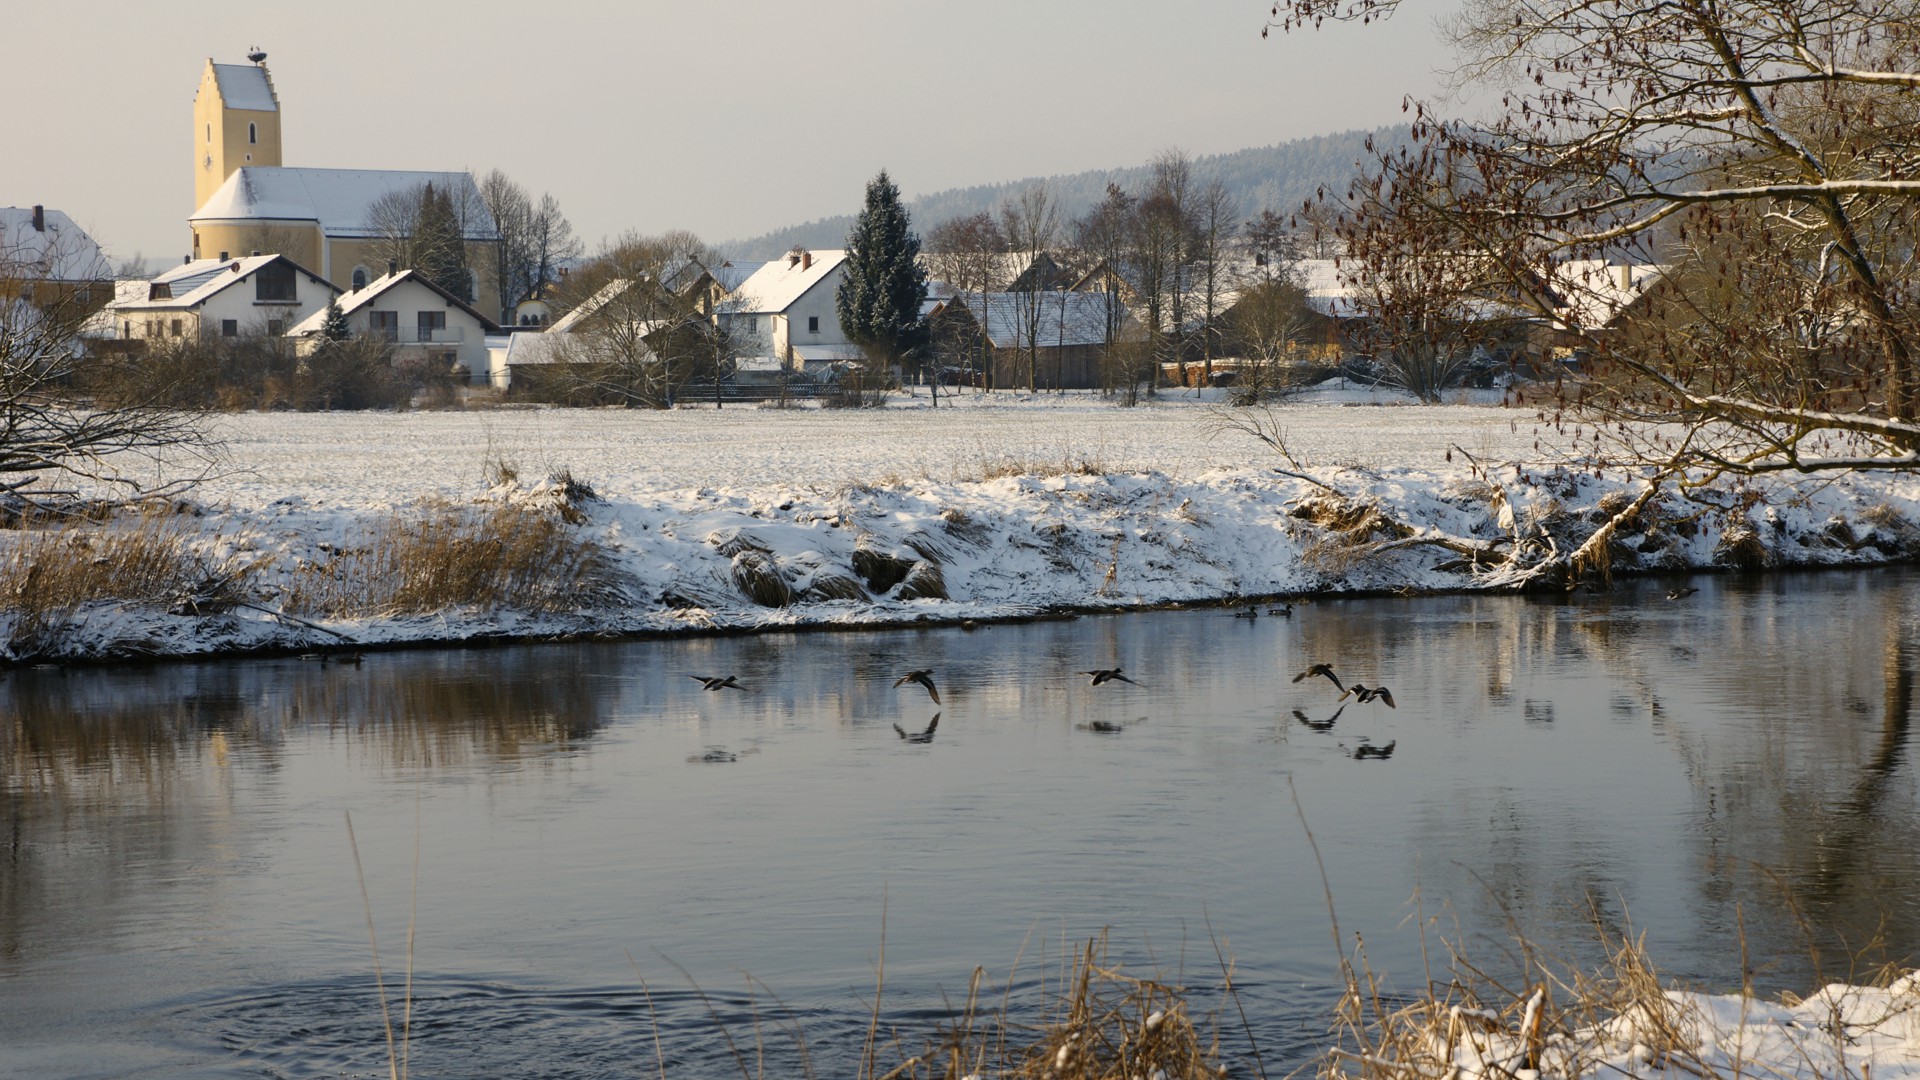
[[1280, 177]]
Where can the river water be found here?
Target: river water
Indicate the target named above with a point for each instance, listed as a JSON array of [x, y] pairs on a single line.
[[1729, 773]]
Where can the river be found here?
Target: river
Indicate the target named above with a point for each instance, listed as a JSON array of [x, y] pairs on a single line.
[[179, 895]]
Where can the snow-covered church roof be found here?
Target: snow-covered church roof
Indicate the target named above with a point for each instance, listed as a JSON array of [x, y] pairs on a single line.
[[338, 199], [245, 86]]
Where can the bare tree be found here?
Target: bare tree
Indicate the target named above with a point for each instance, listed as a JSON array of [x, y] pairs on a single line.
[[1104, 235], [969, 253], [1030, 218], [1761, 147], [1216, 220], [52, 448], [535, 238], [648, 330]]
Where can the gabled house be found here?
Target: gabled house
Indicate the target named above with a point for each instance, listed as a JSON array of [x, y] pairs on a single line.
[[420, 318], [48, 261], [785, 310], [260, 294], [1047, 340]]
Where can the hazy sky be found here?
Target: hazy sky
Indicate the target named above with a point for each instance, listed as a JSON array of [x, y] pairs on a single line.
[[725, 118]]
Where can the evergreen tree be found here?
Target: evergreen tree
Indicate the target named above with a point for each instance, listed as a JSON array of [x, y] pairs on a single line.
[[439, 251], [879, 300], [334, 326]]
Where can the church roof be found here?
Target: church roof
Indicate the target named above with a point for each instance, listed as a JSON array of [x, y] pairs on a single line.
[[337, 199], [245, 86]]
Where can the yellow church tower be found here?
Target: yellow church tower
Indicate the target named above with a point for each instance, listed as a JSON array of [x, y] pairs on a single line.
[[236, 122]]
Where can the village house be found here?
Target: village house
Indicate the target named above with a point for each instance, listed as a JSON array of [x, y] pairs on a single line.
[[1047, 340], [420, 319], [260, 294], [247, 202], [48, 261], [785, 310]]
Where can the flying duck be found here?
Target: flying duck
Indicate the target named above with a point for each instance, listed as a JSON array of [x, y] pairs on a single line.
[[1321, 669], [1364, 694], [708, 682], [923, 676], [1104, 675]]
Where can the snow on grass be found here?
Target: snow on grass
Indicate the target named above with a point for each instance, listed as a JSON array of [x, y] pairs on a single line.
[[748, 518]]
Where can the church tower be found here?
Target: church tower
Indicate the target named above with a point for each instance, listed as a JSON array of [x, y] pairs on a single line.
[[236, 122]]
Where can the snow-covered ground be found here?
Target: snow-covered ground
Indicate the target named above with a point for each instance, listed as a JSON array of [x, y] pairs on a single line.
[[999, 507], [1839, 1032]]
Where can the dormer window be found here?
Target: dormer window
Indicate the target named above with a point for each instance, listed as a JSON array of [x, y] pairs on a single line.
[[274, 282], [253, 135]]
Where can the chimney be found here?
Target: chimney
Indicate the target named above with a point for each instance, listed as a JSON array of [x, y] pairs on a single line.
[[223, 256], [393, 267], [185, 260], [1625, 279], [39, 218], [793, 259], [806, 260], [256, 254]]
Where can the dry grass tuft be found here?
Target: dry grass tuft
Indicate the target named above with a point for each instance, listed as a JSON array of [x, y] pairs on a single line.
[[1105, 1025], [1000, 466], [879, 568], [500, 558], [759, 579], [1741, 547], [47, 576], [923, 582]]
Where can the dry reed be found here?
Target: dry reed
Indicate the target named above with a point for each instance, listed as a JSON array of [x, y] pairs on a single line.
[[497, 558]]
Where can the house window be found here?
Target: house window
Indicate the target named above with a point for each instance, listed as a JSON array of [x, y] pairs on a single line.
[[359, 278], [276, 327], [813, 324], [753, 324], [174, 329], [273, 282], [83, 295], [229, 327], [253, 136], [384, 324], [430, 322]]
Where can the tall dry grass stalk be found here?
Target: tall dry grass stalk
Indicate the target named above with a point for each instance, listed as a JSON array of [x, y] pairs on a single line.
[[49, 575], [1104, 1024], [492, 559]]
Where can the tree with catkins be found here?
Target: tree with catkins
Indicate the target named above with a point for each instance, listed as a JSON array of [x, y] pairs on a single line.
[[879, 300], [1757, 154]]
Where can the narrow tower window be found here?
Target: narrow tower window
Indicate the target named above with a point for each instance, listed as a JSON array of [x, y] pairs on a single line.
[[209, 133], [253, 136]]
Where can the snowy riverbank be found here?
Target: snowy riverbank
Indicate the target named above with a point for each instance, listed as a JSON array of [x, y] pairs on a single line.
[[750, 519]]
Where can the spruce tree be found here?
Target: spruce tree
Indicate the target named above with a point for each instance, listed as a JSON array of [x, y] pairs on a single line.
[[879, 300], [439, 251], [334, 326]]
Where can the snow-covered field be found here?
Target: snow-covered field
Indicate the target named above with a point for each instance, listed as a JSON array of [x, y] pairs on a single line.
[[384, 459], [1000, 507]]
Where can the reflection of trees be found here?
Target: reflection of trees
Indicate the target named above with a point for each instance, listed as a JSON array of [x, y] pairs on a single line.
[[111, 780]]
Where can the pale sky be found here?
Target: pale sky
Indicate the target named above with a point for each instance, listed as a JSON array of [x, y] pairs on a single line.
[[729, 119]]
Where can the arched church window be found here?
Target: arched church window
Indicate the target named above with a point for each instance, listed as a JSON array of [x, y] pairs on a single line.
[[359, 277]]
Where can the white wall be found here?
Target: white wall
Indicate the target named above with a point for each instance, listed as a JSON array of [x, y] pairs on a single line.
[[465, 337]]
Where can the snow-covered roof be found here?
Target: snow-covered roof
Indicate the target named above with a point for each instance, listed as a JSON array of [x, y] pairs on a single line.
[[776, 285], [730, 276], [191, 284], [57, 251], [1593, 292], [351, 302], [1063, 318], [568, 323], [245, 86], [338, 199]]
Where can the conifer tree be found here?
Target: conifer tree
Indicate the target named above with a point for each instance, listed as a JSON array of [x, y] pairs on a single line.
[[879, 300], [439, 251], [334, 326]]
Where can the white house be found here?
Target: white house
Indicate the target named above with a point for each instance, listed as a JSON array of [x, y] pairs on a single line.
[[785, 310], [260, 294], [419, 317]]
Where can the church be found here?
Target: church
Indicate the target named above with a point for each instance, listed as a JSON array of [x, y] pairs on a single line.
[[338, 223]]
